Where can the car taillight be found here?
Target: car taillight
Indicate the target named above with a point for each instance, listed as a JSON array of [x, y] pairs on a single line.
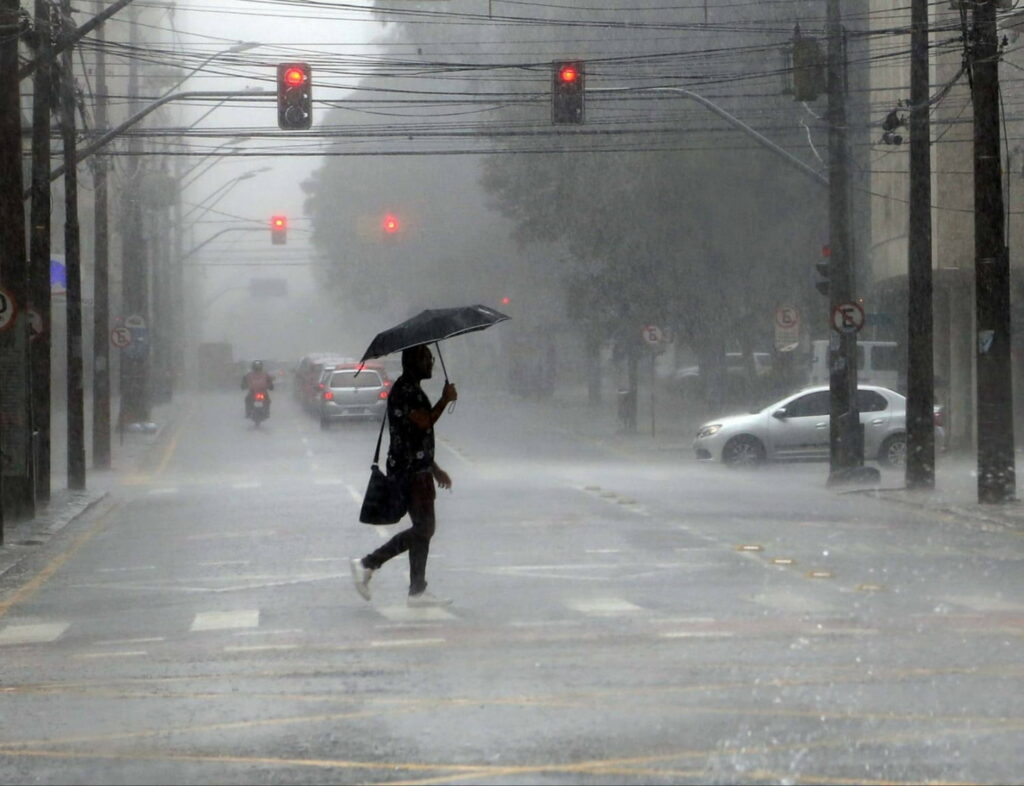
[[383, 394], [328, 395]]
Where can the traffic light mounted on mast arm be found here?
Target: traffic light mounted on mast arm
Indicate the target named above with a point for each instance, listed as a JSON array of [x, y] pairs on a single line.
[[294, 96], [823, 266], [278, 230], [567, 91]]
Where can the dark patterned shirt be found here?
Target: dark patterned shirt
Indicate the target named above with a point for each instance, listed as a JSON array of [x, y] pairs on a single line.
[[411, 449]]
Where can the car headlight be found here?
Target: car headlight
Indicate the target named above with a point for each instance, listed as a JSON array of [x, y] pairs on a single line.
[[708, 431]]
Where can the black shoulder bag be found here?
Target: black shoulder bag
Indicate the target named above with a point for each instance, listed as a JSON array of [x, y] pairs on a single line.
[[385, 499]]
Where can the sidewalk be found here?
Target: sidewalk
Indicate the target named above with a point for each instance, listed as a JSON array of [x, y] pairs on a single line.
[[955, 493], [23, 538]]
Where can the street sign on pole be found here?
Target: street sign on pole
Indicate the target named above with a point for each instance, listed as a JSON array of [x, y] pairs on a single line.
[[787, 327], [120, 337], [848, 318]]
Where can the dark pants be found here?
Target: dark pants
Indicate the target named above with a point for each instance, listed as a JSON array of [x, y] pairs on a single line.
[[416, 539]]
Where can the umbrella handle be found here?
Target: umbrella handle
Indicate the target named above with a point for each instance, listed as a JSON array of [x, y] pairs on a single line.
[[437, 345]]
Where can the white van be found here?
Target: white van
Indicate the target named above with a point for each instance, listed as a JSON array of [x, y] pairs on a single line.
[[877, 363]]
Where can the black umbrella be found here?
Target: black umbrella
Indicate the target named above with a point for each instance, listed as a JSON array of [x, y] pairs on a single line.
[[430, 327]]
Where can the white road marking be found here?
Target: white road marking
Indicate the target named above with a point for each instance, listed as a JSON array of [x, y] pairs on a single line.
[[328, 481], [114, 654], [261, 647], [164, 490], [604, 607], [356, 495], [406, 642], [125, 570], [324, 559], [222, 563], [226, 620], [602, 551], [254, 533], [406, 614], [274, 632], [247, 484], [114, 642], [697, 634], [39, 633]]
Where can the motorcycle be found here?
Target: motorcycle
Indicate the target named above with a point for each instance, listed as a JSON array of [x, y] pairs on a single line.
[[260, 409]]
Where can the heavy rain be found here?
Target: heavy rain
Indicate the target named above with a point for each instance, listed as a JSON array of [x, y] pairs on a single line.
[[511, 391]]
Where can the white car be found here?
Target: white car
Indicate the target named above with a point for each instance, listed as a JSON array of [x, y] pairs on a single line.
[[796, 428]]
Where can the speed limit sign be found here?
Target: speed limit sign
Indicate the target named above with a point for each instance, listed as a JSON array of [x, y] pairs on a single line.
[[8, 310], [120, 337]]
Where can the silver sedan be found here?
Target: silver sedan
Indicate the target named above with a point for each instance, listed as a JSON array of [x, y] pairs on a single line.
[[796, 428]]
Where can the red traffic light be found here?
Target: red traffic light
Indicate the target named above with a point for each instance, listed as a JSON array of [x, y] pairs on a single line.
[[279, 222], [506, 300], [294, 76], [568, 74], [390, 224]]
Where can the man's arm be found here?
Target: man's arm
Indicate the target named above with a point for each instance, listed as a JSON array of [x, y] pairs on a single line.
[[442, 478], [426, 419]]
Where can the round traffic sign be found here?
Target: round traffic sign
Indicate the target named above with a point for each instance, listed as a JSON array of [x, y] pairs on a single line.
[[848, 318], [653, 335], [8, 310], [120, 337], [787, 317]]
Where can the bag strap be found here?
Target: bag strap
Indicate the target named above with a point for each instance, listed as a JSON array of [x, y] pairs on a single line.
[[380, 436]]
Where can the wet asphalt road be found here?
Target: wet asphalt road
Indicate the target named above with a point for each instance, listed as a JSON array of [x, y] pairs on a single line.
[[620, 616]]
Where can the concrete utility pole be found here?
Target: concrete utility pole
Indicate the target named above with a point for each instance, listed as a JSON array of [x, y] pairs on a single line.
[[996, 463], [39, 251], [73, 264], [101, 276], [920, 468], [135, 267], [846, 443], [17, 495]]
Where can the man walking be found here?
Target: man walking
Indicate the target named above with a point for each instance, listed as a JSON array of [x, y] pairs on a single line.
[[411, 422]]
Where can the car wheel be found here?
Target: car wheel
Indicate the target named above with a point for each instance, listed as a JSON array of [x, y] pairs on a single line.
[[743, 451], [893, 452]]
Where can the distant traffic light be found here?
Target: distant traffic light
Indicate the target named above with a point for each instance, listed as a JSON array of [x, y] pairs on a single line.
[[506, 300], [294, 96], [567, 91], [824, 268], [390, 224], [278, 230], [808, 69]]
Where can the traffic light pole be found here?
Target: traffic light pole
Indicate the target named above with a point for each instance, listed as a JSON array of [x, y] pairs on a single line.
[[846, 444], [920, 468], [996, 463]]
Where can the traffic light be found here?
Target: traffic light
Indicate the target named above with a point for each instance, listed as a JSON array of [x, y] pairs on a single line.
[[808, 69], [278, 230], [567, 87], [824, 268], [294, 96], [390, 224]]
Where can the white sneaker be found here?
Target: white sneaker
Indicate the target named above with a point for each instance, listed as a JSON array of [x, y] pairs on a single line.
[[427, 599], [361, 577]]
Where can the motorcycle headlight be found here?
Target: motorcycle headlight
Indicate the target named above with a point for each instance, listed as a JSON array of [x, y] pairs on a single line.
[[709, 431]]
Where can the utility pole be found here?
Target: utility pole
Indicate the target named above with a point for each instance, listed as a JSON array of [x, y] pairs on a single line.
[[846, 443], [73, 263], [39, 250], [996, 468], [134, 267], [920, 468], [101, 276], [17, 495]]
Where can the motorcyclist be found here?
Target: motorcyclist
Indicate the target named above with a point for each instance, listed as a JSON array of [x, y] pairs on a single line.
[[256, 381]]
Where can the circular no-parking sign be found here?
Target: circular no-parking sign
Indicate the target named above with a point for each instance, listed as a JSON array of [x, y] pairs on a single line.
[[848, 318], [120, 337], [8, 310]]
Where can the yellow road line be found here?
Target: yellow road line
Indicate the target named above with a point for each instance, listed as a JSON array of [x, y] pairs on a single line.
[[28, 589]]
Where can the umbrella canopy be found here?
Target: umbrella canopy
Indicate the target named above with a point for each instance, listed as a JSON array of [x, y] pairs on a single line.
[[431, 326]]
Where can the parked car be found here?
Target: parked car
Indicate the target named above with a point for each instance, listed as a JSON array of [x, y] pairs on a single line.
[[796, 428], [349, 392]]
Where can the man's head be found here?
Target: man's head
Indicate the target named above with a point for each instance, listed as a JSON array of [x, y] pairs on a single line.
[[257, 365], [418, 362]]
